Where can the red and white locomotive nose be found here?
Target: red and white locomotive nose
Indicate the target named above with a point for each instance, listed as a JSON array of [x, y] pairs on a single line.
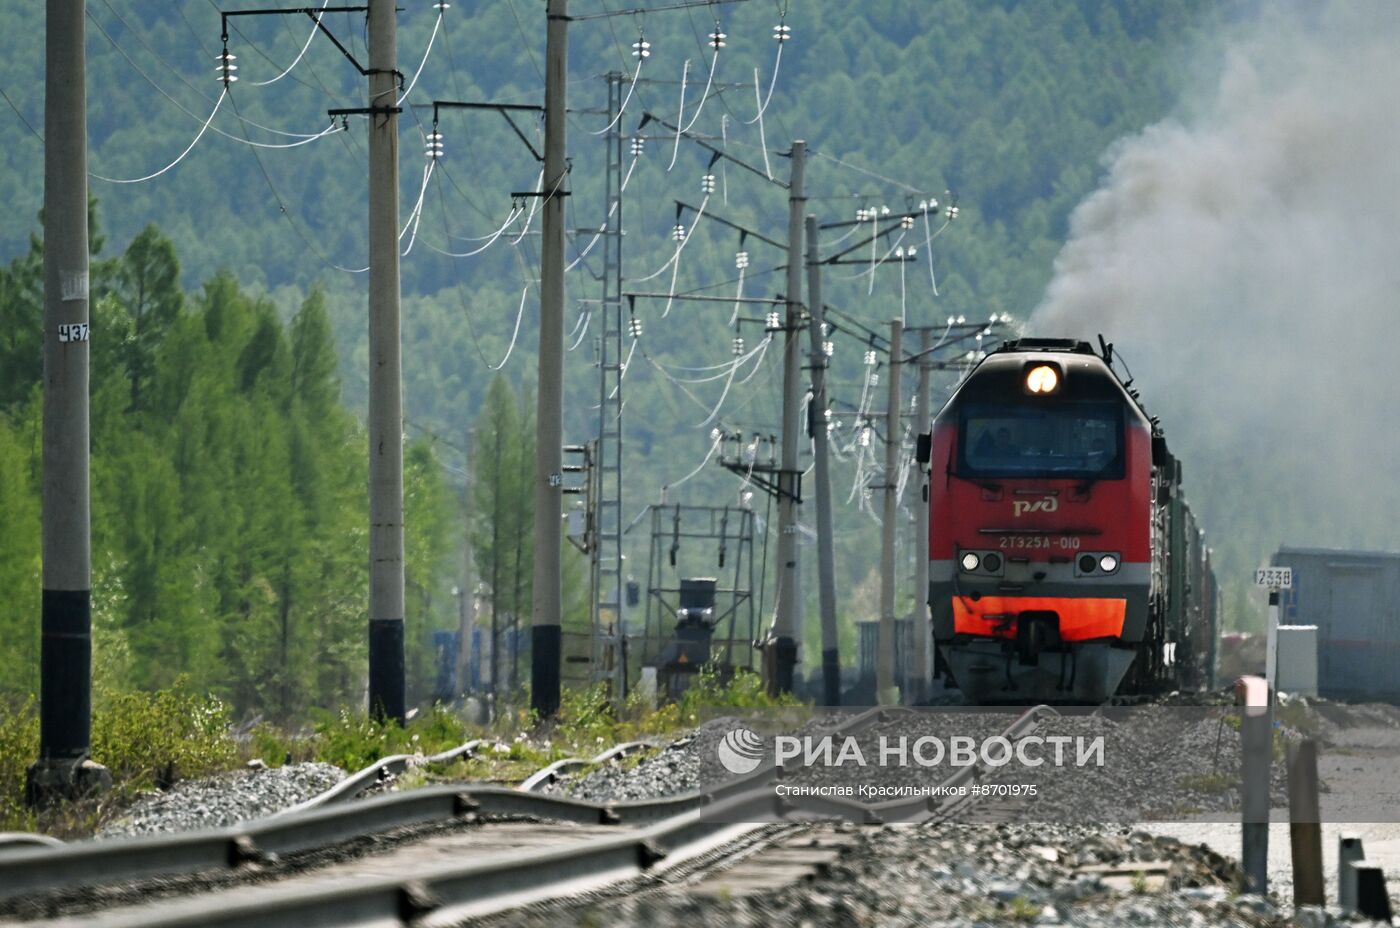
[[1047, 547]]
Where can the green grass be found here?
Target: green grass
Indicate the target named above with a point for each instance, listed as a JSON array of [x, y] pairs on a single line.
[[142, 739], [146, 739]]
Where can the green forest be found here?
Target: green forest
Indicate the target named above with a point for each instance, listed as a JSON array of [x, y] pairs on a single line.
[[229, 349]]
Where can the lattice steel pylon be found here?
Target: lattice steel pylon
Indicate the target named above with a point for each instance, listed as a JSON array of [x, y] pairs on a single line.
[[607, 565]]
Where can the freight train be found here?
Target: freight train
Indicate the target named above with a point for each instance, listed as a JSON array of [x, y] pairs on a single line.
[[1064, 563]]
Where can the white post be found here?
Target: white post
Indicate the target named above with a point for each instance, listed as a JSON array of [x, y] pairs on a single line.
[[1271, 644]]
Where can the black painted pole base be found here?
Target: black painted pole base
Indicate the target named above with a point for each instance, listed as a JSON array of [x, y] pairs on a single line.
[[831, 677], [63, 770], [784, 664], [386, 680], [546, 651], [53, 780]]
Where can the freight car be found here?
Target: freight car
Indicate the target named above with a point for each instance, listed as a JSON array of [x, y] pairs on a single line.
[[1064, 562]]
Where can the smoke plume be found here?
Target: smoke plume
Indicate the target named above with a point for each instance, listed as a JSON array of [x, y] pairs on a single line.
[[1245, 259]]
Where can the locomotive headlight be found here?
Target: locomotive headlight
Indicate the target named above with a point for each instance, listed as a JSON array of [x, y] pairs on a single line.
[[970, 560], [1042, 379], [1108, 563]]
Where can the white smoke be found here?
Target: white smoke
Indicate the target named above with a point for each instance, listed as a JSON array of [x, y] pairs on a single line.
[[1246, 261]]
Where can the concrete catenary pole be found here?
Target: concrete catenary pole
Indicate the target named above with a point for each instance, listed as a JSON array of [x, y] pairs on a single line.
[[386, 578], [788, 614], [821, 489], [466, 603], [885, 682], [923, 631], [546, 635], [65, 674]]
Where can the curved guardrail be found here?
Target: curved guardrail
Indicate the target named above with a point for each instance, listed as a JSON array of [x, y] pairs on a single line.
[[446, 893], [547, 775], [329, 819]]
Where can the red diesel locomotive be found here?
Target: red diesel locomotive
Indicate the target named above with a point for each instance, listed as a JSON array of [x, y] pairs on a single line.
[[1064, 564]]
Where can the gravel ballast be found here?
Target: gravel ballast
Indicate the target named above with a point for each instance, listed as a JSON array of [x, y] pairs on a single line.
[[223, 800]]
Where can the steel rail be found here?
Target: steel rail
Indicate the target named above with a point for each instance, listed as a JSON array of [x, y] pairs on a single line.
[[445, 894], [326, 820]]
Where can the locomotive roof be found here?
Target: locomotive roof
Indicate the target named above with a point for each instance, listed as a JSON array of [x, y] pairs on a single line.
[[1091, 375]]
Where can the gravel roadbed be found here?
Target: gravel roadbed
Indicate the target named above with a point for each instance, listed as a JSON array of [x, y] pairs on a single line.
[[223, 800], [962, 876]]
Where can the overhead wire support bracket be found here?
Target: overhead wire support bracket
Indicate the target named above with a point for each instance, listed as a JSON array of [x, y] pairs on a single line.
[[698, 298], [317, 15], [364, 111], [836, 258], [642, 11], [682, 205], [719, 152], [505, 109]]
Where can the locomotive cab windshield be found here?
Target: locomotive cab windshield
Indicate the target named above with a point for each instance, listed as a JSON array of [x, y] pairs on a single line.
[[1061, 440]]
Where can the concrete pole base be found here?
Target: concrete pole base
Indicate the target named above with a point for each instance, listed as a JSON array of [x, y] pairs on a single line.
[[52, 780]]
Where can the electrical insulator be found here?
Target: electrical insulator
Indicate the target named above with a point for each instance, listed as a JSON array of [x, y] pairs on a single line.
[[875, 378], [678, 233], [638, 143], [884, 211], [442, 6], [717, 38], [865, 437], [932, 203], [433, 144], [828, 348], [738, 344], [911, 251], [862, 215], [870, 358], [907, 222], [707, 183], [634, 327], [962, 319], [641, 48], [774, 323], [741, 260], [899, 253], [951, 212], [972, 355], [226, 67], [782, 32]]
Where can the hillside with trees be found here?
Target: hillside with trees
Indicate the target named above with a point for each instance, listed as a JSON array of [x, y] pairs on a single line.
[[229, 349]]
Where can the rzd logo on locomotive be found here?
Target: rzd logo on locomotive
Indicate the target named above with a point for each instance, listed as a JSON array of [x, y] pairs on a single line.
[[1022, 506]]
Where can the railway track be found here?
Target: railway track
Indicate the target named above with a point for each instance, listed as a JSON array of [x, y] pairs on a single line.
[[461, 852]]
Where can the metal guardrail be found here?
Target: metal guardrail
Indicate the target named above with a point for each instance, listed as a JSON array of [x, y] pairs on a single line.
[[329, 819], [394, 765], [551, 773], [446, 893]]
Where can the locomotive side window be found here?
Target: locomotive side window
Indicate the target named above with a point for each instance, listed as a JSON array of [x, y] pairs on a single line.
[[1068, 440]]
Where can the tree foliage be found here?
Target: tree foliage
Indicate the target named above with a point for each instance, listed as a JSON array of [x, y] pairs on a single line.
[[228, 494]]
